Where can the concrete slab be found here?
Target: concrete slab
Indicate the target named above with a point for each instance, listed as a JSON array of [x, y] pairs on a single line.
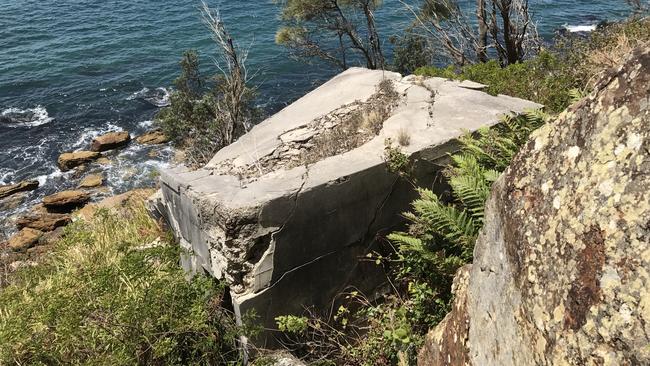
[[291, 237]]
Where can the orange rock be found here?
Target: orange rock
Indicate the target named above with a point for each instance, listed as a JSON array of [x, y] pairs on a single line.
[[71, 160], [110, 141], [24, 239]]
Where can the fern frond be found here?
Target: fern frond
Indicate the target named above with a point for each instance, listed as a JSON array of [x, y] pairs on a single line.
[[456, 226], [491, 175], [576, 95], [472, 191]]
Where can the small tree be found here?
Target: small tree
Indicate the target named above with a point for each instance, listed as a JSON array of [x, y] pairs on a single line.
[[202, 120], [410, 52], [336, 31], [503, 26]]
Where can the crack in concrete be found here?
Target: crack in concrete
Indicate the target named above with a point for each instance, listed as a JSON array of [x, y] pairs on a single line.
[[286, 273], [296, 195], [305, 177], [368, 231], [363, 240]]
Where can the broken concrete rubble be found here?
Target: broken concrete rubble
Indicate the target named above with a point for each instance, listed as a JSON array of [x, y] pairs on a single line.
[[289, 236]]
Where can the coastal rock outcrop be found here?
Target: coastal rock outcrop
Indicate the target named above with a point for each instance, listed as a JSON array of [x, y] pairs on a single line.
[[561, 272], [44, 221], [155, 137], [110, 141], [24, 239], [71, 160], [8, 190], [288, 210], [92, 181], [115, 203], [65, 201]]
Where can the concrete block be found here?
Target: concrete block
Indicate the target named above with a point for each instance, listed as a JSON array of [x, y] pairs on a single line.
[[291, 235]]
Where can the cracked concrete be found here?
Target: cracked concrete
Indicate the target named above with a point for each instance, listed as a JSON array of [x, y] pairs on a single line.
[[291, 237]]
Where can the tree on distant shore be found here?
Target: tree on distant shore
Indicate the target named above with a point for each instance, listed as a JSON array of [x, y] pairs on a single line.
[[504, 30], [337, 31]]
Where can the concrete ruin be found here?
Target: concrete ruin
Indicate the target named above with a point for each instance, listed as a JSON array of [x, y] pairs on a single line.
[[284, 223]]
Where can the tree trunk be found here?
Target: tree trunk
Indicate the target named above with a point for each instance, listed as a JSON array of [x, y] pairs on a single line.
[[481, 51], [373, 35]]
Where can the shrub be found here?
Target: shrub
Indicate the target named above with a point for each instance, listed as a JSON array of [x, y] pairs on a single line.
[[542, 79], [587, 58], [552, 77], [410, 52], [107, 296]]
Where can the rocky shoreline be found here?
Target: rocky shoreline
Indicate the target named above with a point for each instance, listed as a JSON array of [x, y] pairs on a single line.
[[41, 225]]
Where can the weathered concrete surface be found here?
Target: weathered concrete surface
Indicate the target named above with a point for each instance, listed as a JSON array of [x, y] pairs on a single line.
[[292, 238], [561, 272]]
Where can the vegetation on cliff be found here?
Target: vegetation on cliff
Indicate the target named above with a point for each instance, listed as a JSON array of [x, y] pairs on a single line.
[[112, 292], [558, 75], [207, 114]]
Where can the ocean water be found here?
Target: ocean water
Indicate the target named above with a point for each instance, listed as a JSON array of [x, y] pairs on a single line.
[[78, 68]]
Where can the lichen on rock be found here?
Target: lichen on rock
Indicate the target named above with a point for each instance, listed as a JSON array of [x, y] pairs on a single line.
[[561, 273]]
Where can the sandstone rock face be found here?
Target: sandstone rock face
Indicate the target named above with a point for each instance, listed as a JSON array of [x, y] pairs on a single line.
[[91, 181], [561, 274], [71, 160], [110, 141], [155, 137], [285, 234], [24, 239], [44, 222], [65, 201], [8, 190], [12, 202]]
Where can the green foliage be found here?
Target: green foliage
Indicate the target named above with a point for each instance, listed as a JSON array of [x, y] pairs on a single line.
[[189, 121], [338, 32], [555, 78], [107, 297], [410, 52], [543, 79], [292, 324], [607, 47], [396, 161]]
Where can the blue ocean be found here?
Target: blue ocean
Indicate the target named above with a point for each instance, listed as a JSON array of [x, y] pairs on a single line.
[[78, 68]]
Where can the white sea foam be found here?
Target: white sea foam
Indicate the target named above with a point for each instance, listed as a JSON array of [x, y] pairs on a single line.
[[89, 134], [42, 179], [145, 124], [158, 97], [580, 28], [30, 117]]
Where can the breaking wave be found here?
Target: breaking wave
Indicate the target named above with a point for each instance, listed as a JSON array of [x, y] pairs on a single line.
[[31, 117], [580, 28], [158, 97]]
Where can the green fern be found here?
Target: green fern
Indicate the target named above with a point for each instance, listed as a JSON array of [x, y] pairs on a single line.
[[441, 233], [575, 95]]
